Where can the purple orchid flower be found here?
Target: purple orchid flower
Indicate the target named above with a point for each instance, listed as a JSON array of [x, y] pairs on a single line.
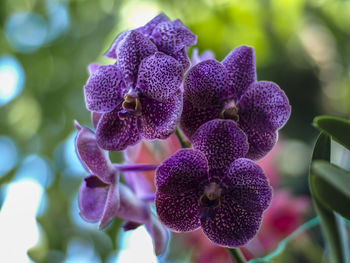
[[102, 197], [140, 96], [230, 90], [169, 37], [212, 187]]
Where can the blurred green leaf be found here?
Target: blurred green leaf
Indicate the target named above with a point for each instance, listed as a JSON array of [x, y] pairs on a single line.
[[332, 227], [338, 128]]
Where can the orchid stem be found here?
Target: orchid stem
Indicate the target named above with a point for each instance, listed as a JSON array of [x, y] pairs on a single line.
[[135, 167], [181, 139], [237, 255]]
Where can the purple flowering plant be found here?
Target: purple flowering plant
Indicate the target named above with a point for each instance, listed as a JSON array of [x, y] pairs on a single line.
[[229, 117]]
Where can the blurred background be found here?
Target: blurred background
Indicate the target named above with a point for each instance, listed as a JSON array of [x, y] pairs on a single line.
[[45, 47]]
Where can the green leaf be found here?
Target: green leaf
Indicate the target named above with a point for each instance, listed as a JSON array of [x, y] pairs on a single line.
[[333, 192], [338, 128], [332, 226]]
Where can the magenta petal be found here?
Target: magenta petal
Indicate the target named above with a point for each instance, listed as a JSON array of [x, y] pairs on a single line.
[[92, 198], [264, 106], [232, 226], [240, 65], [148, 28], [206, 84], [222, 142], [206, 55], [159, 234], [114, 134], [247, 184], [93, 67], [192, 117], [130, 52], [104, 89], [95, 118], [111, 53], [178, 212], [95, 160], [172, 36], [131, 208], [159, 119], [160, 76], [184, 172], [112, 204]]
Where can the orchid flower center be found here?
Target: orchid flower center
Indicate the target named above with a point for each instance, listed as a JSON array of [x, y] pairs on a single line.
[[230, 111], [131, 106], [209, 201]]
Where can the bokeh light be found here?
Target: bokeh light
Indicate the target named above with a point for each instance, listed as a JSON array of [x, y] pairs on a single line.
[[8, 154]]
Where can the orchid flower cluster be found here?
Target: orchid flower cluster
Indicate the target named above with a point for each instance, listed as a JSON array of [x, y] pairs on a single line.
[[229, 118]]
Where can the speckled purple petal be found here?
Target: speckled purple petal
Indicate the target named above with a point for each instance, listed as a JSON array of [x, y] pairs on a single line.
[[131, 50], [159, 119], [222, 142], [112, 204], [260, 141], [159, 234], [160, 76], [206, 84], [247, 184], [232, 226], [192, 117], [114, 134], [172, 36], [111, 51], [264, 106], [178, 212], [183, 173], [131, 208], [104, 89], [208, 54], [182, 57], [95, 160], [148, 28], [240, 64], [92, 198]]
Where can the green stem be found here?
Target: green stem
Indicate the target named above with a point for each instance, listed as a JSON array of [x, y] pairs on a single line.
[[237, 255], [181, 139]]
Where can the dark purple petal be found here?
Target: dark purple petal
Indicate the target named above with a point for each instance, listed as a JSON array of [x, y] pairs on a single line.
[[114, 134], [95, 160], [206, 84], [182, 57], [160, 76], [111, 51], [192, 117], [172, 36], [232, 226], [206, 55], [260, 141], [131, 208], [159, 234], [148, 28], [247, 184], [184, 172], [104, 89], [159, 119], [178, 212], [240, 65], [222, 142], [112, 204], [130, 52], [92, 198], [264, 106]]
